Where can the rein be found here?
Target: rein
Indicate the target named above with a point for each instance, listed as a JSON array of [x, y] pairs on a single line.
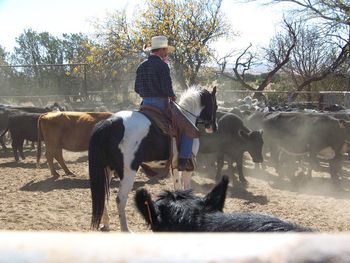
[[198, 120], [186, 110], [149, 212]]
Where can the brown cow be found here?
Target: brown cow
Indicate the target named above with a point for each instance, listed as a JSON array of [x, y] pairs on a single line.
[[66, 130]]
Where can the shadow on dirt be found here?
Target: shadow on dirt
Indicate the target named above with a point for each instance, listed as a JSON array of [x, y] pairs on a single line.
[[238, 190], [28, 163], [318, 186], [69, 182], [20, 164]]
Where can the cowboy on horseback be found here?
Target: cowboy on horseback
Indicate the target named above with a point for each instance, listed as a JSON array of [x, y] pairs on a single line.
[[153, 84]]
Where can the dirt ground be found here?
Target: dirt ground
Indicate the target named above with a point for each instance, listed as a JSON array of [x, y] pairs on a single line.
[[32, 200]]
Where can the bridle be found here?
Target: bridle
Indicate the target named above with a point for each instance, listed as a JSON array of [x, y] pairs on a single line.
[[199, 120], [182, 108]]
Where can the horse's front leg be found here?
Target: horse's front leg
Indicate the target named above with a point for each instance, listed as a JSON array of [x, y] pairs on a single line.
[[186, 180], [125, 187], [181, 180], [176, 175], [186, 176]]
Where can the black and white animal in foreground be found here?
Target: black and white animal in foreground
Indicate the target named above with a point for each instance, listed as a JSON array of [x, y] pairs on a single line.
[[182, 211]]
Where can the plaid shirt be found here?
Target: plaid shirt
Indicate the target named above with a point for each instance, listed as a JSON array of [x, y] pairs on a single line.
[[153, 78]]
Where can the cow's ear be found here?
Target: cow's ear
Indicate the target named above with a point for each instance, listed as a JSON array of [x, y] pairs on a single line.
[[261, 131], [146, 206], [243, 134], [215, 200], [214, 91]]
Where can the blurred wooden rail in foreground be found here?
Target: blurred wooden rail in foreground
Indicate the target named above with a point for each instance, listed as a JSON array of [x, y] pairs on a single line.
[[147, 247]]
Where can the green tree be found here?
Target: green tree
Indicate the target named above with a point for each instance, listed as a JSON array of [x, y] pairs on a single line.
[[37, 49], [115, 52], [191, 26], [5, 72]]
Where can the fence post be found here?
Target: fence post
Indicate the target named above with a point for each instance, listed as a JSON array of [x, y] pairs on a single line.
[[85, 83]]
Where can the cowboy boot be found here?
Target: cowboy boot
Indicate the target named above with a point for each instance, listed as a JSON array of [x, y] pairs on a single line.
[[185, 164]]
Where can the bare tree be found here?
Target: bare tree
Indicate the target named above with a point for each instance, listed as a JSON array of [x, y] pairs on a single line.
[[278, 54], [333, 20], [333, 11], [336, 64], [313, 55]]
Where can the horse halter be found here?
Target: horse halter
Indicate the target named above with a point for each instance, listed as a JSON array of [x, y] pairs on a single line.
[[193, 115], [199, 120]]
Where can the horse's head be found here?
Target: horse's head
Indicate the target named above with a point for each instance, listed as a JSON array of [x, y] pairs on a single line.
[[208, 113]]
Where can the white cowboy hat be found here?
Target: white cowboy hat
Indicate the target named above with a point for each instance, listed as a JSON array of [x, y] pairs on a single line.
[[159, 42]]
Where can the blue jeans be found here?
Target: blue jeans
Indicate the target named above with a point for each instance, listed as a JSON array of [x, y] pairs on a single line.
[[186, 142], [186, 147], [158, 102]]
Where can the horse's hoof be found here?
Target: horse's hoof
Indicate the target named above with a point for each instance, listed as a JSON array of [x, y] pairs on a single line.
[[55, 175], [104, 228]]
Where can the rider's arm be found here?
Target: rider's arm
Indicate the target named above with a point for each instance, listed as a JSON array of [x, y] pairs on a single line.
[[165, 81], [138, 81]]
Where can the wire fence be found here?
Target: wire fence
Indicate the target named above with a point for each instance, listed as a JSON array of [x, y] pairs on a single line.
[[304, 99], [78, 83], [322, 100]]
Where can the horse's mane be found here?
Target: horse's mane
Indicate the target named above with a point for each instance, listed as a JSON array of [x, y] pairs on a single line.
[[190, 97]]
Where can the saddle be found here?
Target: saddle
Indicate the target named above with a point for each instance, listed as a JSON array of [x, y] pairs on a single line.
[[170, 122]]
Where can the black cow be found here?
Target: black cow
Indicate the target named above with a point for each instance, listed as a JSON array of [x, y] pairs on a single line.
[[7, 110], [303, 134], [182, 211], [232, 139], [3, 125], [32, 109], [22, 126]]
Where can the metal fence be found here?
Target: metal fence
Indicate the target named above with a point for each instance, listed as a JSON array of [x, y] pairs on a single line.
[[71, 82], [306, 99], [77, 82]]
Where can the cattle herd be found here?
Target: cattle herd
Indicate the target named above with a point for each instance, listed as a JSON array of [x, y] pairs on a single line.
[[294, 141]]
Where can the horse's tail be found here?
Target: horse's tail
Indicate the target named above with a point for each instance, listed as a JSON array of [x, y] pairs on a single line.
[[100, 156]]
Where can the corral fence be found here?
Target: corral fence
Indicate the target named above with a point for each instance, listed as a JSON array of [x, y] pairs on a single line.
[[77, 83], [116, 247], [305, 99], [43, 79], [228, 98]]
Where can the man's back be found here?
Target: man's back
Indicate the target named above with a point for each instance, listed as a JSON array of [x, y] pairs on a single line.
[[153, 78]]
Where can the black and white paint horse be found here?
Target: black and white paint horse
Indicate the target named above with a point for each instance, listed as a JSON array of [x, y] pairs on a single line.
[[122, 142]]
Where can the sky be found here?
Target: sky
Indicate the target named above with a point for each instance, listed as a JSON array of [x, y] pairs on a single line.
[[255, 23]]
